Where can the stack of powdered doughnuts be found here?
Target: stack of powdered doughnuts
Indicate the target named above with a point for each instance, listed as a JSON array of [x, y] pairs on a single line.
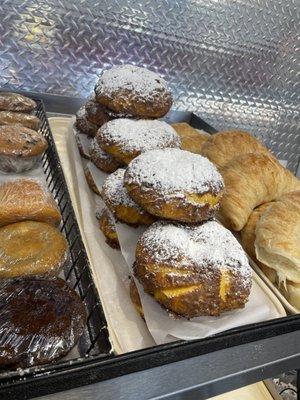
[[185, 259], [41, 317]]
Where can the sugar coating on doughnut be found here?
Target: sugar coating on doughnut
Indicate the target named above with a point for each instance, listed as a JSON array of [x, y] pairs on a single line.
[[200, 246], [97, 153], [139, 135], [143, 82], [171, 171], [114, 189]]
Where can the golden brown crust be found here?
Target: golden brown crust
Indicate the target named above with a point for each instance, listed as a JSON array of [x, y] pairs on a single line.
[[191, 139], [96, 113], [13, 118], [108, 228], [250, 180], [27, 199], [83, 124], [135, 297], [223, 146], [16, 102], [90, 181], [102, 160], [31, 248]]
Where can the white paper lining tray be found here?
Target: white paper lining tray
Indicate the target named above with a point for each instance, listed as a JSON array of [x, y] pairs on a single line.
[[128, 331]]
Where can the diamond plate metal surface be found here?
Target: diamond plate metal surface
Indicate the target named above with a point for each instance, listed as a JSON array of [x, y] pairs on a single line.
[[235, 63]]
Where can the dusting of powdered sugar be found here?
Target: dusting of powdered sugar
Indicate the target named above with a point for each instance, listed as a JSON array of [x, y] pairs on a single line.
[[208, 244], [139, 135], [96, 153], [115, 192], [170, 171], [129, 77]]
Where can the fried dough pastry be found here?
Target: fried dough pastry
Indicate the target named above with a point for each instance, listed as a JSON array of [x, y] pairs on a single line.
[[27, 199], [135, 298], [83, 124], [90, 180], [41, 320], [193, 270], [132, 90], [31, 248], [96, 113], [20, 148], [117, 199], [103, 160], [222, 147], [125, 139], [13, 118], [250, 180], [191, 139], [107, 225], [248, 240], [175, 184], [16, 102]]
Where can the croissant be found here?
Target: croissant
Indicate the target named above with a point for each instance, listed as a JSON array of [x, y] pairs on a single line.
[[248, 239], [278, 237], [250, 180], [224, 146], [191, 139]]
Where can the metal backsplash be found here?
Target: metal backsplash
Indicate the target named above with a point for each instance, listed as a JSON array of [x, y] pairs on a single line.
[[233, 62]]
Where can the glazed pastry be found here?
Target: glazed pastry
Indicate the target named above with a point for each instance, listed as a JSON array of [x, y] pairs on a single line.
[[278, 237], [117, 199], [103, 160], [191, 139], [175, 184], [248, 239], [135, 91], [41, 320], [193, 270], [125, 138], [83, 143], [83, 124], [222, 147], [96, 113], [135, 298], [27, 199], [250, 180], [13, 118], [90, 180], [16, 102], [20, 148], [107, 225], [31, 248]]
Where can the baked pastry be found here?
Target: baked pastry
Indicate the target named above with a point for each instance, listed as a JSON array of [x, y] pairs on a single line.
[[193, 270], [41, 320], [250, 180], [12, 118], [90, 180], [83, 124], [107, 225], [27, 199], [278, 237], [16, 102], [31, 248], [20, 148], [103, 160], [135, 298], [248, 240], [96, 113], [83, 143], [126, 138], [135, 91], [191, 139], [175, 184], [222, 147], [117, 199]]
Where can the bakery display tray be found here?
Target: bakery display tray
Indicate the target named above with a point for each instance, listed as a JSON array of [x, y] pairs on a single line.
[[190, 370]]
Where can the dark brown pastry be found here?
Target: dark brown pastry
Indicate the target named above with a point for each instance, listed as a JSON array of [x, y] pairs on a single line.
[[90, 180], [135, 91], [40, 321], [96, 113], [16, 102], [103, 160], [20, 148], [107, 225], [12, 118], [83, 124]]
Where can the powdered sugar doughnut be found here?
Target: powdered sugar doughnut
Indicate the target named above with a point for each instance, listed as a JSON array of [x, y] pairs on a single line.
[[96, 113], [193, 270], [116, 198], [107, 225], [175, 184], [125, 138], [83, 124], [102, 159], [133, 90]]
